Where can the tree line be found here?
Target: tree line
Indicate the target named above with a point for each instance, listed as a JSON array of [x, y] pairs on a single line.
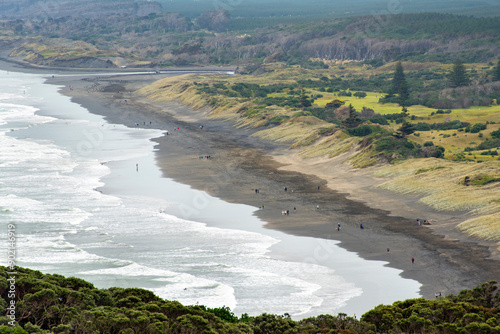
[[51, 303], [426, 37]]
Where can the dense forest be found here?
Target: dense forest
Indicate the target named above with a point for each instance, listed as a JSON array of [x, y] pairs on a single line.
[[148, 35], [51, 303], [313, 9]]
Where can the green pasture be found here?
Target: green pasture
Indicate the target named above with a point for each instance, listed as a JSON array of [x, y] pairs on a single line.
[[370, 101], [454, 141]]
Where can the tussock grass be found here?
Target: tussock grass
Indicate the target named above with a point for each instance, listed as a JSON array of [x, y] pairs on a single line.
[[440, 182], [299, 133], [330, 146], [363, 159], [175, 88], [485, 227]]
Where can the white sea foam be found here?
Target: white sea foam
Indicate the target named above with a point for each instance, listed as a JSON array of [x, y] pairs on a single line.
[[179, 286], [45, 248], [121, 236]]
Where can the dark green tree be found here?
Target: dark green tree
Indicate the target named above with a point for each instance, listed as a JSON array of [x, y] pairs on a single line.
[[304, 102], [406, 127], [398, 77], [399, 84], [496, 72], [335, 104], [458, 76], [403, 94], [352, 120]]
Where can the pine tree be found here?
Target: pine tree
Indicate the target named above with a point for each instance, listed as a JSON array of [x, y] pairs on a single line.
[[403, 93], [496, 72], [398, 78], [399, 85], [352, 120], [406, 127], [458, 76], [304, 102]]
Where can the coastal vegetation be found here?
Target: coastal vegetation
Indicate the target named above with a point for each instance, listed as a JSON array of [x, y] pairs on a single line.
[[413, 96], [426, 151], [51, 303]]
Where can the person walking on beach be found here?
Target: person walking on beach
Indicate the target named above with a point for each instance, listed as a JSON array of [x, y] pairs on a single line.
[[338, 227], [388, 250], [285, 189], [294, 209], [412, 260]]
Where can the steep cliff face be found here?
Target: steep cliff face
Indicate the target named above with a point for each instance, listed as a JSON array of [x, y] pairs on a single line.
[[60, 8]]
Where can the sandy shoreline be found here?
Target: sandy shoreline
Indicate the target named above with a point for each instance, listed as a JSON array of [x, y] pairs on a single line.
[[240, 164]]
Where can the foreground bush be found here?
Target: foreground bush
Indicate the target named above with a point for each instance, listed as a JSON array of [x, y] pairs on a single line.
[[55, 304]]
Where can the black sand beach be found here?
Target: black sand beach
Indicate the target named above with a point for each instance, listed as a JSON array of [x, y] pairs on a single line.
[[239, 164]]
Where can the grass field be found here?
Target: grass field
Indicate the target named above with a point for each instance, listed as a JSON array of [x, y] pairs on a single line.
[[454, 141]]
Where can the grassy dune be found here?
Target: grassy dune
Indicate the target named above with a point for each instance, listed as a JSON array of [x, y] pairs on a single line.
[[57, 49], [443, 184]]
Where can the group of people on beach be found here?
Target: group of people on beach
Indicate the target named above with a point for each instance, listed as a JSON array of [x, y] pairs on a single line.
[[425, 222], [143, 123]]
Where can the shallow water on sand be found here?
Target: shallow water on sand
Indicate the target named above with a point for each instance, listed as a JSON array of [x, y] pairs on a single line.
[[88, 200]]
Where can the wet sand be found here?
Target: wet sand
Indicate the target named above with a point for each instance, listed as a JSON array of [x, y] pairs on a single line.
[[323, 193]]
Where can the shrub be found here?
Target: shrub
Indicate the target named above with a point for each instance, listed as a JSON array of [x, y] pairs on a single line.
[[345, 93], [379, 120], [360, 131], [360, 95], [477, 127], [495, 134]]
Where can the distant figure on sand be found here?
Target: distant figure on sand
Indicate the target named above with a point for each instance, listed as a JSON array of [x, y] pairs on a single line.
[[412, 260], [388, 250], [285, 189], [361, 227], [317, 206], [338, 227], [137, 167]]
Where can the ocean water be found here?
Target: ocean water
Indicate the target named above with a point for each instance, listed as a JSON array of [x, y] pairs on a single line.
[[88, 200]]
